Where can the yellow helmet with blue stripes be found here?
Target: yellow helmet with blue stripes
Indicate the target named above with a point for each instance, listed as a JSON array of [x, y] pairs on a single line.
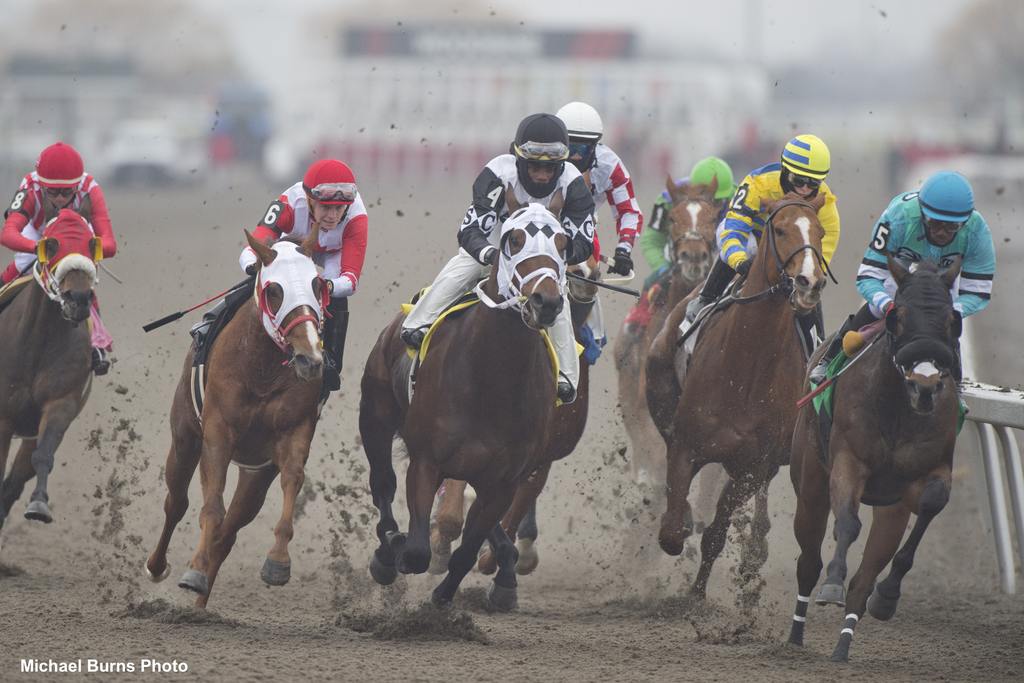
[[807, 155]]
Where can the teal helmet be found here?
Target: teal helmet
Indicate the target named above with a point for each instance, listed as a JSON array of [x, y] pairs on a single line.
[[946, 196]]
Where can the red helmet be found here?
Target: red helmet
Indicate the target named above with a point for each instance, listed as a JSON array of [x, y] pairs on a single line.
[[330, 181], [59, 165]]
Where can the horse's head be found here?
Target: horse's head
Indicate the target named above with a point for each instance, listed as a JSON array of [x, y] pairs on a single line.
[[292, 298], [67, 253], [792, 237], [692, 223], [531, 262], [924, 328]]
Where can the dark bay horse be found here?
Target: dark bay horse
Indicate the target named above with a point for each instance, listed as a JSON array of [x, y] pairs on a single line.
[[46, 366], [259, 410], [891, 446], [692, 223], [520, 522], [483, 403], [738, 401]]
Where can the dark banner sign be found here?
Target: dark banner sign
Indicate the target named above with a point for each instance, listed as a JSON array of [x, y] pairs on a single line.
[[482, 41]]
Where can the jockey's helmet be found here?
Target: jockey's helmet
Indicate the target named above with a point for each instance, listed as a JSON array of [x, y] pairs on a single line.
[[60, 165], [585, 130], [946, 196], [705, 170], [330, 182], [808, 156], [540, 139]]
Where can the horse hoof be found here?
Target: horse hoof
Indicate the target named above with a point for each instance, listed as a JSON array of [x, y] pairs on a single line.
[[831, 594], [439, 562], [439, 600], [528, 557], [157, 578], [882, 607], [501, 598], [195, 581], [383, 574], [275, 573], [449, 527], [414, 561], [39, 511], [487, 564]]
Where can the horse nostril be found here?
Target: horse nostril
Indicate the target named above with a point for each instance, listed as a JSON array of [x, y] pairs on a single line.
[[802, 281], [536, 300]]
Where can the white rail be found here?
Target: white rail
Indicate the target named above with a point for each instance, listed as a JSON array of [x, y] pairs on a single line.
[[995, 411]]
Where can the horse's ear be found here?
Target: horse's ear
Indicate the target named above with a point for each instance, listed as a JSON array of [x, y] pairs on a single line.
[[96, 249], [46, 249], [510, 199], [892, 321], [899, 273], [556, 204], [768, 205], [713, 186], [950, 273], [309, 245], [818, 201], [671, 188], [957, 325], [265, 254]]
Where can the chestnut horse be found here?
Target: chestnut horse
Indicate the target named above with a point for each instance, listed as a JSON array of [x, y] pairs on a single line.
[[520, 522], [738, 401], [482, 406], [259, 410], [891, 446], [692, 222], [46, 364]]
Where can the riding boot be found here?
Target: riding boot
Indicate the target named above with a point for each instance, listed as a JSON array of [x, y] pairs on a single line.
[[719, 277], [811, 328], [835, 346], [100, 362], [335, 330]]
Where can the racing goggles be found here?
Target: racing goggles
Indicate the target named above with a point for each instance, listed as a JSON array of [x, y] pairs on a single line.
[[581, 150], [803, 181], [542, 151], [59, 191], [334, 193]]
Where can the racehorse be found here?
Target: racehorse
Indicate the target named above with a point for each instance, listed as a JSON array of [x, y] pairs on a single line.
[[737, 403], [482, 406], [259, 410], [891, 446], [520, 522], [693, 218], [46, 366]]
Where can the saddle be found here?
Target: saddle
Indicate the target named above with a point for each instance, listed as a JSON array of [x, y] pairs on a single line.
[[204, 333], [11, 290]]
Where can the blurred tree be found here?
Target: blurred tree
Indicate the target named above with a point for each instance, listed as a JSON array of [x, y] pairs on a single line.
[[172, 44]]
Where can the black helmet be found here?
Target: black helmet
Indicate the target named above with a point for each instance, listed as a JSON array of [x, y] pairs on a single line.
[[540, 138]]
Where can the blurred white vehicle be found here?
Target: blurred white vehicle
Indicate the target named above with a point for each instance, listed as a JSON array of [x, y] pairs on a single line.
[[150, 152]]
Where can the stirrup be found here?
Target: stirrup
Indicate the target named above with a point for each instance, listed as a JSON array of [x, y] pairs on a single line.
[[413, 338], [565, 391], [819, 372], [100, 362]]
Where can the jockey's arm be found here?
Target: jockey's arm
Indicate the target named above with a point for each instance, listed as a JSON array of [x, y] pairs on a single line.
[[978, 271], [278, 219], [629, 220], [482, 216], [886, 238], [740, 221], [828, 216], [344, 269], [578, 221], [101, 225], [16, 218], [654, 238]]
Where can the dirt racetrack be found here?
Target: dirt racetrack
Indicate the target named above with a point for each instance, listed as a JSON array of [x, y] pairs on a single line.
[[605, 603]]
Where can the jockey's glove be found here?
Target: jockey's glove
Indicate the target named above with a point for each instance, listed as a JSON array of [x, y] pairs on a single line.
[[743, 267], [250, 269], [490, 256], [623, 262]]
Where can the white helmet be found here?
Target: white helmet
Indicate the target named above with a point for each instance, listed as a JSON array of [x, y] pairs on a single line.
[[582, 121]]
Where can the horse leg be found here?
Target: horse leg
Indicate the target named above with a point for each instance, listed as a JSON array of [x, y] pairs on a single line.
[[377, 426], [502, 592], [447, 523], [735, 494], [677, 522], [291, 452], [21, 472], [246, 502], [182, 460], [710, 483], [524, 506], [56, 419], [484, 513], [887, 527], [527, 527], [810, 522], [213, 468], [754, 552], [928, 496], [846, 485], [413, 551], [6, 434]]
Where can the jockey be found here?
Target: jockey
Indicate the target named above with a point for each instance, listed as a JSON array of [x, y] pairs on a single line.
[[655, 239], [802, 170], [59, 182], [326, 196], [535, 170], [935, 224]]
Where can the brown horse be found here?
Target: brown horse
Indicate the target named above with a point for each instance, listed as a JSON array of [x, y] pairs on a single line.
[[45, 368], [737, 405], [483, 402], [692, 222], [520, 522], [259, 410], [891, 446]]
